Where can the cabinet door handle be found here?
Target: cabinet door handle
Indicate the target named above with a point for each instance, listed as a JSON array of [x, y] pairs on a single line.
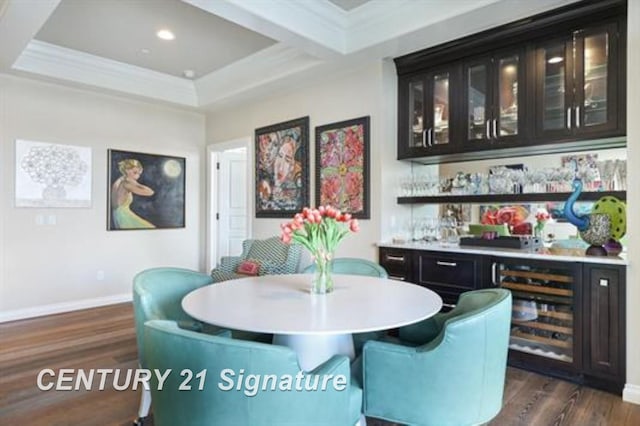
[[569, 118], [494, 274], [424, 138], [487, 130], [495, 126], [577, 116], [430, 136], [396, 278], [442, 263], [395, 258], [449, 305]]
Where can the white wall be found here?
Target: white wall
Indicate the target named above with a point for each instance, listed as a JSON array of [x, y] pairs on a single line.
[[632, 390], [48, 268], [369, 90]]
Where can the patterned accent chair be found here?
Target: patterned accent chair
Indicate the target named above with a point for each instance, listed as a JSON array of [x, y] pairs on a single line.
[[274, 257]]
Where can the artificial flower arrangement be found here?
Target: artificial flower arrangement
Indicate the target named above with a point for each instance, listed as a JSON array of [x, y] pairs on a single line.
[[320, 231], [542, 216]]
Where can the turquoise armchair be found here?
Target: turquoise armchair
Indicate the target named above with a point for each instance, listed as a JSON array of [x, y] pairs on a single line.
[[274, 257], [353, 266], [356, 266], [223, 360], [157, 295], [448, 370]]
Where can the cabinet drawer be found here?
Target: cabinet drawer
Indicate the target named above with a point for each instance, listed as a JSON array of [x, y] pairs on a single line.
[[397, 263], [451, 272]]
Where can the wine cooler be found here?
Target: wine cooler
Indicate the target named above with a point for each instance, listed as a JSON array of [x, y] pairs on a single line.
[[545, 296]]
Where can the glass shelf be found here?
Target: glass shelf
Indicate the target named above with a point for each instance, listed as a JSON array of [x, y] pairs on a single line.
[[509, 198]]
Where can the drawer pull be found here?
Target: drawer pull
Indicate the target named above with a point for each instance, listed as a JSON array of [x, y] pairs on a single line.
[[442, 263], [449, 305], [397, 278], [395, 258]]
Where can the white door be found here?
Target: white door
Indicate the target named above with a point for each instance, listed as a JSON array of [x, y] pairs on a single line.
[[232, 202], [229, 208]]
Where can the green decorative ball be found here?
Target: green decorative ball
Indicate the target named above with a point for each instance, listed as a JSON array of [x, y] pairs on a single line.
[[617, 211]]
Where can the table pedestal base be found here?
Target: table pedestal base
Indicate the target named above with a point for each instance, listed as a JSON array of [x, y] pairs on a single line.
[[314, 349]]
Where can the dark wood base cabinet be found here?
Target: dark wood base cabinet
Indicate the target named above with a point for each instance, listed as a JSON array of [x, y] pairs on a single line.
[[568, 318]]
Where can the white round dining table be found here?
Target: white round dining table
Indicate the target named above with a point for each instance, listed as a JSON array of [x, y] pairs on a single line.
[[316, 326]]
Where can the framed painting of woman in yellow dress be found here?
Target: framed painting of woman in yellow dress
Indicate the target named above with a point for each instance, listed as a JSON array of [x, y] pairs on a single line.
[[146, 191]]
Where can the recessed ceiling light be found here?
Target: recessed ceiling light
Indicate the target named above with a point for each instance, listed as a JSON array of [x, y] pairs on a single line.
[[165, 35], [189, 73], [555, 59]]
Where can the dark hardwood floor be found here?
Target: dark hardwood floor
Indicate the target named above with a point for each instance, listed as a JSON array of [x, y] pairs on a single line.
[[105, 338]]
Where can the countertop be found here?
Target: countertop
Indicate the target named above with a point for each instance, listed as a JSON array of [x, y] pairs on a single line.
[[539, 253]]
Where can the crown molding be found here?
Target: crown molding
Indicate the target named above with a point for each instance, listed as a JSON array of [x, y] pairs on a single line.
[[376, 22], [316, 27], [268, 65], [49, 60]]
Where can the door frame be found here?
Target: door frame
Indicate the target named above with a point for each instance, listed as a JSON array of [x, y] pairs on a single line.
[[213, 191]]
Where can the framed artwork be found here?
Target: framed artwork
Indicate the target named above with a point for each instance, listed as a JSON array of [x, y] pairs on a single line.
[[52, 175], [146, 191], [342, 166], [282, 168]]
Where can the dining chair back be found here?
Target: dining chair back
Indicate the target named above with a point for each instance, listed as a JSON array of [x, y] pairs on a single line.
[[353, 266], [236, 382], [447, 370]]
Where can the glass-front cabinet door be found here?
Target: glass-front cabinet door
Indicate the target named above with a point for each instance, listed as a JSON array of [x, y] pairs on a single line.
[[596, 87], [508, 115], [440, 103], [544, 317], [478, 106], [554, 88], [493, 98], [425, 113], [576, 84], [415, 123]]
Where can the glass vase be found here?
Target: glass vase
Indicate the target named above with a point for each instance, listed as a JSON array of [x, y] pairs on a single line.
[[322, 280]]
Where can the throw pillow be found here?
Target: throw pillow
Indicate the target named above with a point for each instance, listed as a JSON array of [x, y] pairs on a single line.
[[248, 267]]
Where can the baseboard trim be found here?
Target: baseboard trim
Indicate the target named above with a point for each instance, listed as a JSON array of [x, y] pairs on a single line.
[[631, 393], [58, 308]]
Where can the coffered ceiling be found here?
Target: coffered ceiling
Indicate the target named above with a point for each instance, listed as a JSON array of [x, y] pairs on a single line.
[[227, 50]]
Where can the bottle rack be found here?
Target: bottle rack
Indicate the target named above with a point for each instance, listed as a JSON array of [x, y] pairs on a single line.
[[542, 313]]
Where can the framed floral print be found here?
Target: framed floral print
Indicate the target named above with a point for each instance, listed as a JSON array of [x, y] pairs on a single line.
[[342, 166], [282, 168], [146, 191]]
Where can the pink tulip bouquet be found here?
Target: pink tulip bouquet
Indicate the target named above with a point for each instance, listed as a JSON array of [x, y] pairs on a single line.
[[320, 231]]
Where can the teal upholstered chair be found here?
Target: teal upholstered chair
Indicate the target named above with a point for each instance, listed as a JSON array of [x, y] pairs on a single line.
[[274, 257], [353, 266], [356, 266], [447, 370], [157, 295], [224, 360]]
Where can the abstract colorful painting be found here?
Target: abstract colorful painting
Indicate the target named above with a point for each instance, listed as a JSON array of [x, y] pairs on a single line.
[[342, 166], [282, 168]]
